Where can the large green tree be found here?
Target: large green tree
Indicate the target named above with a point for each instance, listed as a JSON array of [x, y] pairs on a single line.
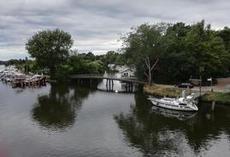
[[176, 52], [225, 35], [50, 48], [144, 48], [206, 50]]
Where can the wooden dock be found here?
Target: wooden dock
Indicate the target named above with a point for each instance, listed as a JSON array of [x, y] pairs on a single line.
[[28, 83], [108, 78]]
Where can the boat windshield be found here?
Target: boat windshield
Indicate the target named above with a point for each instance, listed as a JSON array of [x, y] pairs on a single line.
[[168, 99]]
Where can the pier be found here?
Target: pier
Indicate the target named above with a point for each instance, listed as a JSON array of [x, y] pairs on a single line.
[[111, 78], [128, 83], [16, 78]]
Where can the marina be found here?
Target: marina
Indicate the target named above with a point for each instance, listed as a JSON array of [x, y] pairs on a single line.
[[16, 78]]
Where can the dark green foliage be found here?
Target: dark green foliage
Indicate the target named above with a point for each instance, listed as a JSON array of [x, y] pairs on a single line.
[[112, 57], [184, 51], [225, 35], [145, 47], [80, 64], [50, 48]]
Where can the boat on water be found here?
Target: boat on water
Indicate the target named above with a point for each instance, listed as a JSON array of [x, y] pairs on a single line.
[[18, 79], [184, 103], [173, 114]]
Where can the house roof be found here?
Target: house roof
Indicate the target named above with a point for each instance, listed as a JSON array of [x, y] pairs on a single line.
[[127, 69]]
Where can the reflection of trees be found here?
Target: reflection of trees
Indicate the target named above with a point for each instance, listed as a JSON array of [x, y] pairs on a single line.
[[57, 110], [207, 126], [156, 134]]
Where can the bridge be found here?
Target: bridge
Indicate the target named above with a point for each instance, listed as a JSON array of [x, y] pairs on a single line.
[[108, 78], [129, 82]]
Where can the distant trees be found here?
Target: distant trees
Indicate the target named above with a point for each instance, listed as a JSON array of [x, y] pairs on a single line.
[[166, 53], [112, 57], [50, 48], [179, 51], [3, 62], [80, 63]]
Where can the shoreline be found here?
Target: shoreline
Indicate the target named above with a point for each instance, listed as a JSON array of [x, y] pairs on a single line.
[[171, 91]]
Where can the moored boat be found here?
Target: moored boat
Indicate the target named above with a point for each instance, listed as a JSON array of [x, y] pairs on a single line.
[[183, 103], [180, 115], [18, 79]]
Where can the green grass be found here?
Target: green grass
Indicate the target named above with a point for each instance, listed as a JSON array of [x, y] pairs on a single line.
[[223, 98], [169, 91]]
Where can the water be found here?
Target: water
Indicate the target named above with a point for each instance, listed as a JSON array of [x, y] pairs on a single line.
[[72, 121]]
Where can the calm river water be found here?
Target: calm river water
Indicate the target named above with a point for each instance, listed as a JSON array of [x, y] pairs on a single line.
[[72, 121]]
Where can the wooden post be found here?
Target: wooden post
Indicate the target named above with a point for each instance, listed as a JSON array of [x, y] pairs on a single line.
[[200, 85], [211, 86], [213, 105]]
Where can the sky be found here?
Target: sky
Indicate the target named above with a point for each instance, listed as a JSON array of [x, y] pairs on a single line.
[[97, 25]]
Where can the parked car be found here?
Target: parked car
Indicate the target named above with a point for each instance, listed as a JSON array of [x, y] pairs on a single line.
[[185, 85], [205, 82]]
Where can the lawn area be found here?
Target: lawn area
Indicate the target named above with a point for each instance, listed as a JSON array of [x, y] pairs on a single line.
[[170, 91], [223, 98], [162, 90]]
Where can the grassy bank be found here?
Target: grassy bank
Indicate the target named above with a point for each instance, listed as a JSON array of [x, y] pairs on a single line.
[[162, 90], [169, 91], [222, 98]]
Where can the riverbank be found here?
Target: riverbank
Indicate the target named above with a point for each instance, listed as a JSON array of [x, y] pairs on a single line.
[[171, 91], [162, 90], [218, 97]]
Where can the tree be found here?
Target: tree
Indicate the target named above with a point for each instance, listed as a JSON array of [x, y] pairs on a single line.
[[144, 48], [225, 35], [206, 50], [191, 48], [175, 52], [50, 48]]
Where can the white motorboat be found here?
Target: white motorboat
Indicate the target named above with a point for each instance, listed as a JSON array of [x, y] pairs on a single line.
[[183, 103]]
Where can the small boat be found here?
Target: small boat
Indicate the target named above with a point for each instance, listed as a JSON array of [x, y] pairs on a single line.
[[19, 79], [184, 103]]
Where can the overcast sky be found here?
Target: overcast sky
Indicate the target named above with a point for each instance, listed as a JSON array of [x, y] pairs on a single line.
[[97, 25]]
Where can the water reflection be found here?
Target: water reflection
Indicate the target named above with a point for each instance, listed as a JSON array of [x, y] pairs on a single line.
[[58, 110], [158, 133], [180, 115]]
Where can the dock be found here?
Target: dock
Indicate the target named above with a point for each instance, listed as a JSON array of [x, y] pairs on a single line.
[[16, 78]]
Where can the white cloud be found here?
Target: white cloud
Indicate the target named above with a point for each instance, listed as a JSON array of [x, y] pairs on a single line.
[[97, 25]]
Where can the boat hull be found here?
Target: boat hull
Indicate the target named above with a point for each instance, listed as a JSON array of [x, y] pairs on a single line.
[[173, 106]]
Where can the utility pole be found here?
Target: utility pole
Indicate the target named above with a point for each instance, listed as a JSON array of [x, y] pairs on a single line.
[[200, 84], [210, 79], [201, 69]]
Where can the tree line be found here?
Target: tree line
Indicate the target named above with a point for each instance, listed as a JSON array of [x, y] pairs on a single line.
[[165, 53], [177, 52]]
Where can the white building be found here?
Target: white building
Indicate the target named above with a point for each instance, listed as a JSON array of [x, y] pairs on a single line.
[[112, 66], [128, 72]]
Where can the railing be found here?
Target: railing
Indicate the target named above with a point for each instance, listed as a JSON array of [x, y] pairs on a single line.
[[96, 76]]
